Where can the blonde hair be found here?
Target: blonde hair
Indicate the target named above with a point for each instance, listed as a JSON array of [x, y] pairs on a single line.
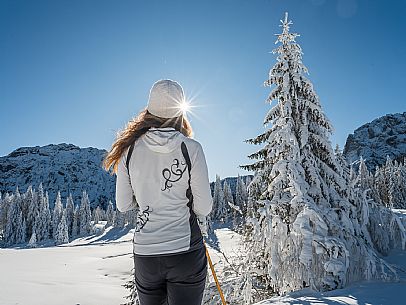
[[135, 128]]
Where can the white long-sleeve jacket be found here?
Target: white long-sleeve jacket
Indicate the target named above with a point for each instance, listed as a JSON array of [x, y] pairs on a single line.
[[157, 183]]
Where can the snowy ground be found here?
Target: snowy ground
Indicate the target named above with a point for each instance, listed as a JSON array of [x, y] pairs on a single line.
[[87, 271], [92, 271]]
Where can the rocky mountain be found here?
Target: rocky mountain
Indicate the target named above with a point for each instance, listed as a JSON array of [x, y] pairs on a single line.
[[63, 167], [374, 141]]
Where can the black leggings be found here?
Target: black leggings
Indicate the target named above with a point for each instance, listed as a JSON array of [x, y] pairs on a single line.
[[177, 279]]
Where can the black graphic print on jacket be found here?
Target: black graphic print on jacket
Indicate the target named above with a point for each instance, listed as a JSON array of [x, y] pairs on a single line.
[[173, 174]]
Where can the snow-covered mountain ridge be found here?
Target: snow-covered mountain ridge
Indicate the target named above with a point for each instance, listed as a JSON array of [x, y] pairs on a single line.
[[63, 167], [374, 141]]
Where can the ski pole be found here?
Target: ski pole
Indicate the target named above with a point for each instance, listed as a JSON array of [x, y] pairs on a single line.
[[215, 276]]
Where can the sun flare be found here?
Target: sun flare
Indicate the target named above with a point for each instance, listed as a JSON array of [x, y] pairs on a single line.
[[184, 107]]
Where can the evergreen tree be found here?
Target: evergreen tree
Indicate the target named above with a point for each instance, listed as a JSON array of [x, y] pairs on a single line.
[[70, 210], [388, 187], [61, 236], [341, 161], [21, 235], [9, 235], [33, 240], [4, 208], [385, 228], [76, 222], [219, 211], [56, 214], [110, 214], [241, 194], [85, 215], [97, 214], [119, 221], [14, 224], [233, 210], [364, 177], [365, 182], [31, 198], [228, 196], [130, 217], [307, 229], [44, 217], [401, 181], [395, 188], [247, 183], [39, 216]]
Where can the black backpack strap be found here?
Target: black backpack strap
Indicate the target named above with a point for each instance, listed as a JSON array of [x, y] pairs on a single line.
[[127, 162], [185, 154], [196, 233]]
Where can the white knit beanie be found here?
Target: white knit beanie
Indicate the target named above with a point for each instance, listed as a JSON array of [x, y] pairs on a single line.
[[165, 99]]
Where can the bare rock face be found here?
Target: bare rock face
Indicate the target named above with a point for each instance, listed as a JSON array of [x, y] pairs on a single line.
[[63, 167], [374, 141]]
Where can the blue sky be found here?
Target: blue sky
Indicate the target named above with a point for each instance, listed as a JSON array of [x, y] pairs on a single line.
[[77, 71]]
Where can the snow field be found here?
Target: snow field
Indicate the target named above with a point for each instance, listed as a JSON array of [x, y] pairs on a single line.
[[92, 270], [85, 271]]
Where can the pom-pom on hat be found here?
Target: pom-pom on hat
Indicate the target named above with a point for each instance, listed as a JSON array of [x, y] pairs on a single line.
[[165, 98]]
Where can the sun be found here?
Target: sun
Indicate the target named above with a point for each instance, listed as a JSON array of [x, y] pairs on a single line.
[[184, 107]]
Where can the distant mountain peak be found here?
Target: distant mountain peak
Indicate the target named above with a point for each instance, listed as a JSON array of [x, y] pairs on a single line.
[[59, 167], [38, 149], [374, 141]]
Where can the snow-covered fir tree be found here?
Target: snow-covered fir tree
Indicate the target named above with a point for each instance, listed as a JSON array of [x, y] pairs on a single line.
[[2, 209], [386, 185], [228, 195], [241, 195], [85, 215], [385, 227], [70, 209], [32, 243], [56, 214], [21, 229], [247, 183], [365, 181], [395, 177], [110, 214], [219, 211], [62, 236], [309, 227], [44, 217], [97, 215], [229, 202], [31, 198], [76, 222], [12, 232], [23, 214], [401, 182], [119, 219], [130, 217]]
